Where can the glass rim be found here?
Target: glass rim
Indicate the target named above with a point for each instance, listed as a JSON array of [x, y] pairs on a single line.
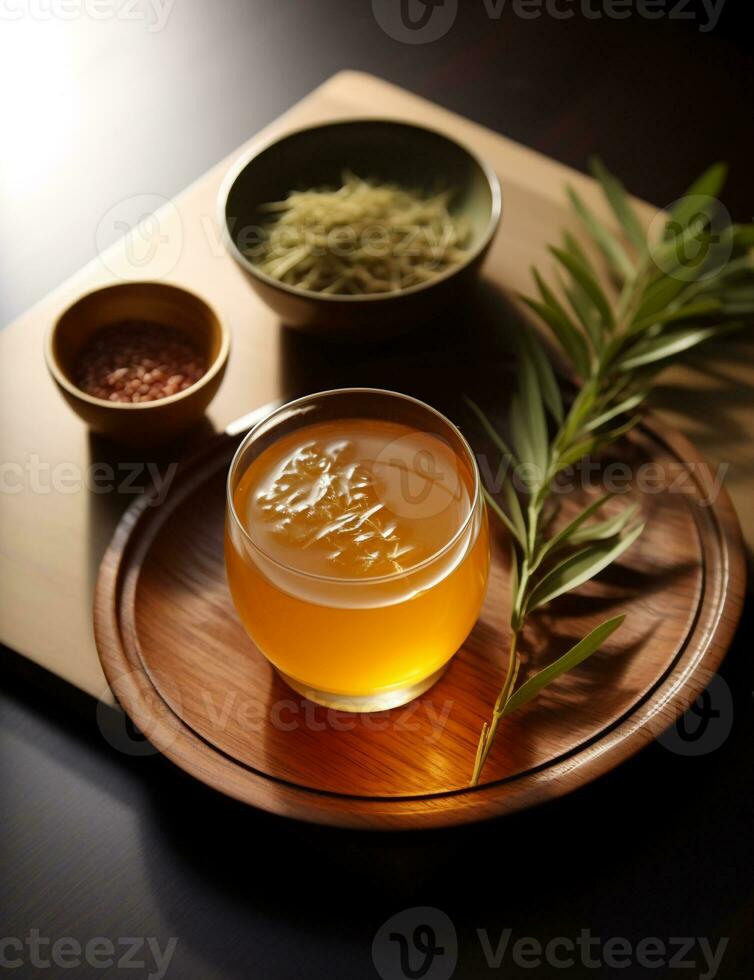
[[390, 576]]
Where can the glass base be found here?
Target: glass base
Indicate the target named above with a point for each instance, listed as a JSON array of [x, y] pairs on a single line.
[[382, 701]]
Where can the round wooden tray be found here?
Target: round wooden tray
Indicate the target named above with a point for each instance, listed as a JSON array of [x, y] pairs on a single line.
[[186, 673]]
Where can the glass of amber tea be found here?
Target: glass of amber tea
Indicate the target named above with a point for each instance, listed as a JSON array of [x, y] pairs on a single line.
[[357, 545]]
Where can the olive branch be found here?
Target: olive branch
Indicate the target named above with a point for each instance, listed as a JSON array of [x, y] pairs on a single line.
[[618, 324]]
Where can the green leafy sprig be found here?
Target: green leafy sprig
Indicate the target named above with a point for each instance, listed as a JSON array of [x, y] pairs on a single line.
[[617, 327]]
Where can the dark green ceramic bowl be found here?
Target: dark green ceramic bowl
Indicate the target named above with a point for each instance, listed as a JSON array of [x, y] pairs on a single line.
[[382, 149]]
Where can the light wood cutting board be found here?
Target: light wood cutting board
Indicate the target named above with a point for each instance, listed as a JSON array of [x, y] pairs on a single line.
[[52, 540]]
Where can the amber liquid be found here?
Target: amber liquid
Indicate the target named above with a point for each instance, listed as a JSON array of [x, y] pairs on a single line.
[[362, 568]]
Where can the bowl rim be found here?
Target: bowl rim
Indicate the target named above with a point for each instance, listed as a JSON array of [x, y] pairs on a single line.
[[246, 157], [217, 365]]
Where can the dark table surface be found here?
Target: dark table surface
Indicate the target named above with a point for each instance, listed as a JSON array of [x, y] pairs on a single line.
[[98, 843]]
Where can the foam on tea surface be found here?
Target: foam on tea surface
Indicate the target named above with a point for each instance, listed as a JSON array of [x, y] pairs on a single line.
[[354, 498]]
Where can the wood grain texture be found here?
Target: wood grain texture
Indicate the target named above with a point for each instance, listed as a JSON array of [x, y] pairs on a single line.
[[49, 555], [182, 667]]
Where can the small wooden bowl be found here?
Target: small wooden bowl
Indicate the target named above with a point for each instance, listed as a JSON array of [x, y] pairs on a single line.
[[381, 149], [142, 424]]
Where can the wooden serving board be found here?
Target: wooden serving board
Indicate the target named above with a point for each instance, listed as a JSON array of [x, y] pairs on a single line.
[[51, 541], [184, 670]]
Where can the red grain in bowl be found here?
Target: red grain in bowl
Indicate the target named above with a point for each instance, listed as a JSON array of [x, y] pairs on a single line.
[[137, 362]]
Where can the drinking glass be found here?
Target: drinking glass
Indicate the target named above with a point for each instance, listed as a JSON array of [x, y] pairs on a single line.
[[379, 638]]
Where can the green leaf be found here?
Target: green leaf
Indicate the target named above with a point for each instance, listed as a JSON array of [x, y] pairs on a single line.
[[573, 246], [579, 568], [584, 277], [608, 244], [511, 499], [515, 514], [701, 308], [585, 313], [740, 307], [528, 422], [578, 412], [604, 439], [671, 344], [658, 295], [548, 296], [737, 294], [518, 528], [619, 201], [691, 250], [729, 275], [508, 521], [605, 529], [582, 306], [708, 185], [614, 349], [533, 404], [563, 536], [545, 375], [576, 655], [625, 406], [573, 453], [489, 428], [654, 325], [569, 338], [743, 236]]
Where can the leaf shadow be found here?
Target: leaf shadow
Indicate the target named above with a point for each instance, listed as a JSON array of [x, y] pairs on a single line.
[[725, 402]]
